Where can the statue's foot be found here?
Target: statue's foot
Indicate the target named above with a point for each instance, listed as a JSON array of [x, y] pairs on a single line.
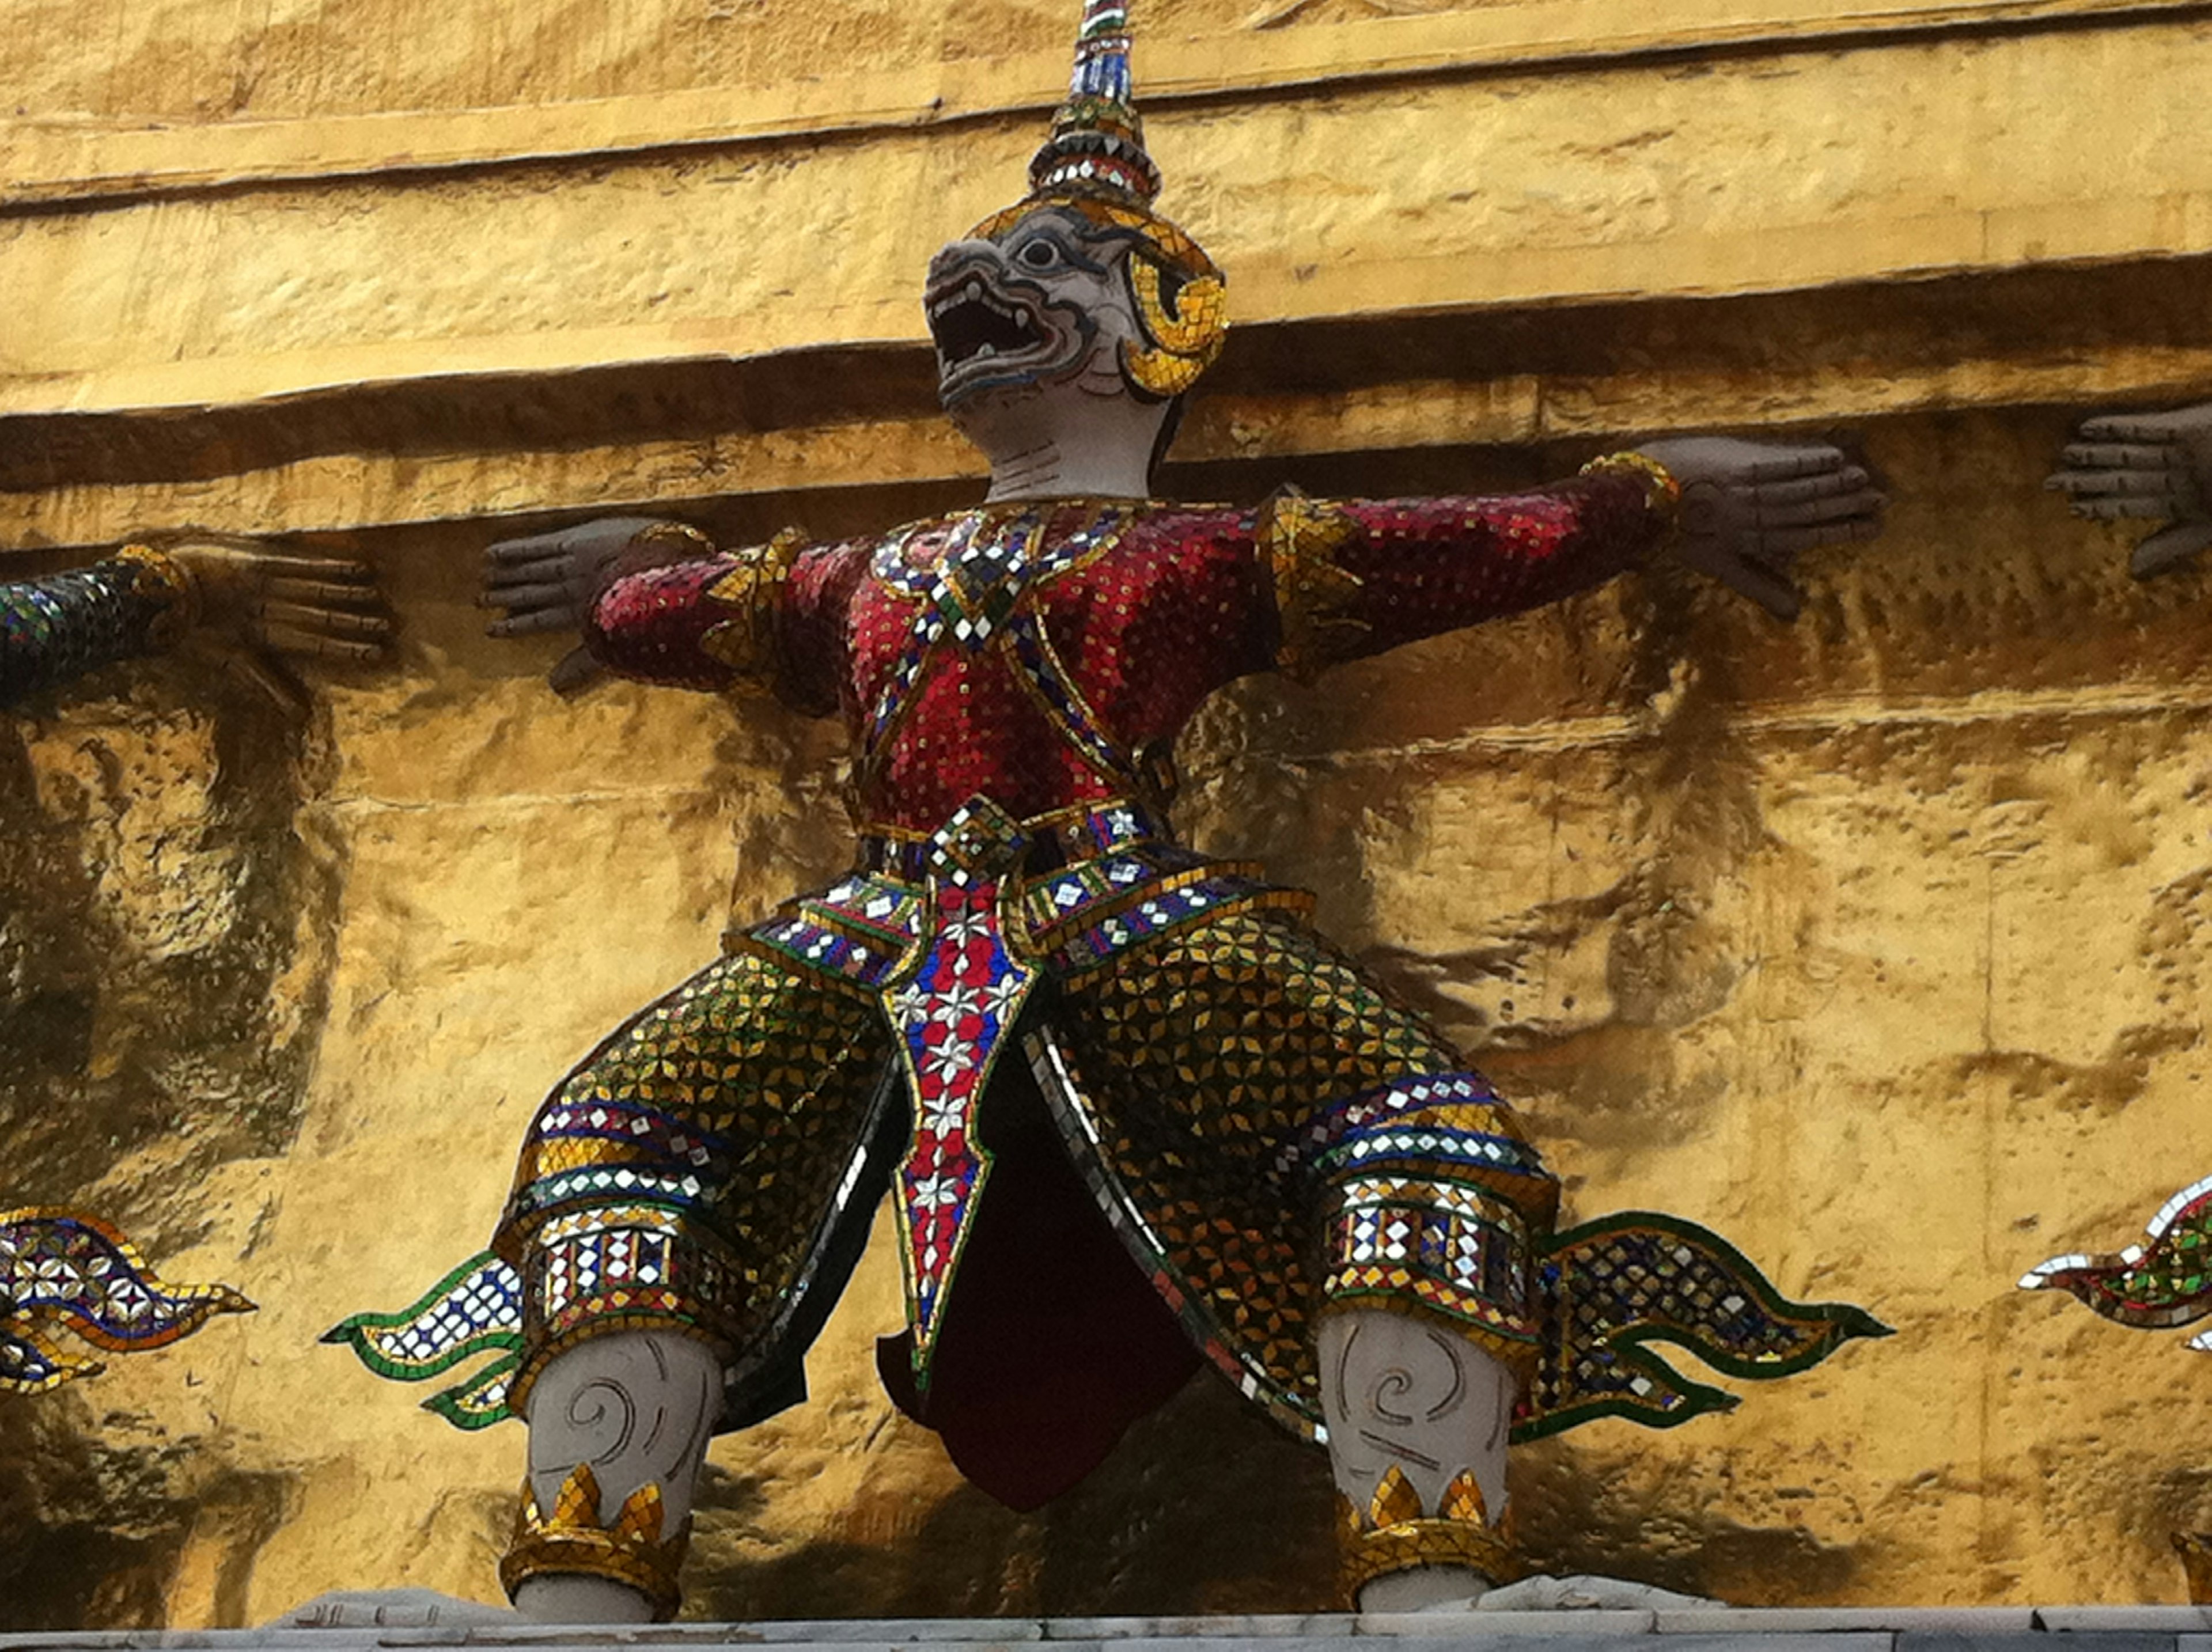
[[574, 1598], [1586, 1594], [1424, 1589], [391, 1609]]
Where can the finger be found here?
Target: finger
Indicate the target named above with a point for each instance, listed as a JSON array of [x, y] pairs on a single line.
[[2157, 484], [322, 590], [2134, 427], [2127, 506], [287, 639], [1777, 595], [314, 568], [1825, 485], [1794, 542], [2169, 548], [2123, 455], [1772, 591], [526, 568], [544, 619], [324, 621], [1779, 463], [521, 597], [576, 672], [531, 548], [266, 676], [1865, 502]]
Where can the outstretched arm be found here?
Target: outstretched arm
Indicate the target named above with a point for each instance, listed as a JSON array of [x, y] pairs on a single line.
[[2147, 466], [142, 600], [1355, 577]]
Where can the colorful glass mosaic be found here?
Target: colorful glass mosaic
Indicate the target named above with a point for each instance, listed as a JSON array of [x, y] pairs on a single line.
[[2167, 1281], [1610, 1289], [1396, 1534], [59, 627], [953, 1015], [475, 1309], [1235, 1090], [62, 1271], [625, 1547]]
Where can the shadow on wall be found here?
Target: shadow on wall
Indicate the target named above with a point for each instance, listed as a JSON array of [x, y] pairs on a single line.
[[167, 910], [1205, 1506]]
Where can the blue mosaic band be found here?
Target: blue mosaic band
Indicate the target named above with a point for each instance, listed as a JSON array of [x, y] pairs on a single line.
[[1428, 1199]]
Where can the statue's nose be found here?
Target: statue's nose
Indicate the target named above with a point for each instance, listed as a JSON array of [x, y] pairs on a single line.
[[953, 254]]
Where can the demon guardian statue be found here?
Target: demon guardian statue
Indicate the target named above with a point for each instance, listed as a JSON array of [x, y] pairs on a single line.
[[1134, 1113]]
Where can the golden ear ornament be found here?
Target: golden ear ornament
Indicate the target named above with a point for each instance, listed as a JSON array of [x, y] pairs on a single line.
[[1186, 339]]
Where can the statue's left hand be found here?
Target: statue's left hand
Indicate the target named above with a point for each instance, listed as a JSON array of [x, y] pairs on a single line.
[[316, 607], [1749, 509]]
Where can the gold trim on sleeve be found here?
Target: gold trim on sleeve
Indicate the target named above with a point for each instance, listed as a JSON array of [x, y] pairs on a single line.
[[157, 574], [1300, 540], [746, 642], [1662, 492]]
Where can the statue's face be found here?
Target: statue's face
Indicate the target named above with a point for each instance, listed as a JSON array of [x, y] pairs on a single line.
[[1043, 303]]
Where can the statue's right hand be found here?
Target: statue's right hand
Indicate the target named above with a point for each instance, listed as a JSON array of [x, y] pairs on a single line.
[[548, 581], [2145, 465]]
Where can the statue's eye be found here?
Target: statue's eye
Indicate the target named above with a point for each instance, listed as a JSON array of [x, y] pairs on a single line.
[[1039, 254]]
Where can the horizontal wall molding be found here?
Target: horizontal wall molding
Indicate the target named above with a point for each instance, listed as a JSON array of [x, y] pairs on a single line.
[[864, 422], [58, 164]]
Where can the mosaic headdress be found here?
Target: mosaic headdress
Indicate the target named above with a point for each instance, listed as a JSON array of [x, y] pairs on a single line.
[[1098, 144], [1095, 162]]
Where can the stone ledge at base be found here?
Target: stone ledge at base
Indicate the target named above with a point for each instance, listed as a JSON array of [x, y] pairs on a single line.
[[1700, 1629]]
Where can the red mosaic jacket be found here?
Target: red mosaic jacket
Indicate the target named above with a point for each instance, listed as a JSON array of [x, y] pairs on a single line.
[[1045, 655]]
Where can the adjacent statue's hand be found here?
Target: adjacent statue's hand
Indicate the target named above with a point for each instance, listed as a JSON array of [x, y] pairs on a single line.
[[319, 607], [1750, 507], [2152, 466]]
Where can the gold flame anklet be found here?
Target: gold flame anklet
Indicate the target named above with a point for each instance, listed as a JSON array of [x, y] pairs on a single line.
[[572, 1541], [1395, 1535]]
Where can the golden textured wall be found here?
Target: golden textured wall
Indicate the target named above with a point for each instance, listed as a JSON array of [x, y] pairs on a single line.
[[1873, 941]]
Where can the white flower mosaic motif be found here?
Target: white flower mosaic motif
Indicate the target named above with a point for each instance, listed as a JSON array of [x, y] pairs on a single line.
[[938, 1191], [946, 1062], [953, 1006], [943, 1114], [1000, 996], [967, 927]]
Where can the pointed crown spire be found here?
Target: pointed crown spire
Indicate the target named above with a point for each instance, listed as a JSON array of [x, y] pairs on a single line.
[[1097, 142]]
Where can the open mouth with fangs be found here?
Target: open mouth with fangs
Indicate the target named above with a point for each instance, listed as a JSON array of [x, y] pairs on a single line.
[[984, 335]]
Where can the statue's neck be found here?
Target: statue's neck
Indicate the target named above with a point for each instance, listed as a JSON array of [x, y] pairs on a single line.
[[1049, 470]]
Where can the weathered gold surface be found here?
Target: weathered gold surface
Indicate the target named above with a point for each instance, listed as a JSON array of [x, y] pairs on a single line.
[[1878, 943], [2195, 1549], [1761, 169]]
